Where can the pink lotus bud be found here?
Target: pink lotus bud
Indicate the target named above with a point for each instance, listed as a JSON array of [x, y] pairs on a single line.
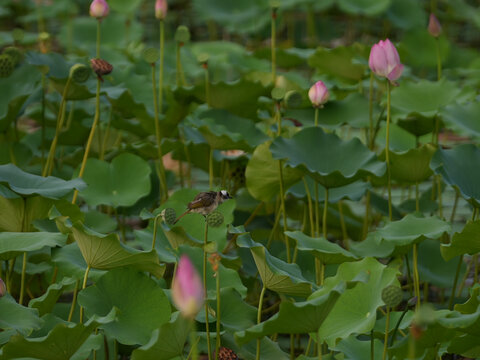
[[434, 27], [187, 289], [3, 288], [99, 9], [385, 61], [161, 7], [318, 94]]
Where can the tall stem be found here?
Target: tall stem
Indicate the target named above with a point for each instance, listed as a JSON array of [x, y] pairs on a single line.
[[284, 212], [325, 210], [370, 112], [310, 208], [259, 318], [98, 38], [387, 156], [22, 283], [316, 116], [74, 302], [193, 342], [155, 227], [317, 211], [416, 277], [84, 285], [90, 138], [207, 84], [439, 60], [387, 325], [210, 169], [163, 178], [218, 340], [455, 281], [205, 242], [160, 74], [273, 45]]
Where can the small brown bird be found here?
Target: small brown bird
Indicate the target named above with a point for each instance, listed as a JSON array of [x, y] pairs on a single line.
[[205, 202]]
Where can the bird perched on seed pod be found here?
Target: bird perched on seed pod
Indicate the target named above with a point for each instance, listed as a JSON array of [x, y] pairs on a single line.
[[205, 202]]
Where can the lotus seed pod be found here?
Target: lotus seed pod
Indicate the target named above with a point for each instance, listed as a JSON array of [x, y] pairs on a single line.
[[79, 73], [6, 65], [170, 216], [202, 58], [3, 288], [182, 35], [215, 219], [293, 99], [278, 94], [15, 53], [151, 55], [18, 34], [392, 295], [101, 67]]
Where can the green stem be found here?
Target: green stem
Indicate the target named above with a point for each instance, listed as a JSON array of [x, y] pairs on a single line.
[[457, 273], [193, 343], [22, 284], [439, 60], [387, 156], [310, 208], [292, 347], [90, 138], [475, 267], [155, 227], [325, 210], [44, 91], [205, 242], [284, 211], [47, 169], [367, 215], [218, 340], [372, 346], [417, 198], [342, 221], [163, 178], [207, 85], [439, 195], [84, 285], [316, 116], [319, 348], [273, 45], [160, 75], [455, 203], [317, 212], [210, 169], [74, 302], [387, 325], [416, 277], [259, 318], [106, 136], [98, 38], [370, 113], [397, 326]]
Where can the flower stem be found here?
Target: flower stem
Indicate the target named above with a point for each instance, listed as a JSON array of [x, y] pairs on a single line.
[[207, 84], [387, 325], [22, 283], [387, 156], [325, 210], [210, 169], [160, 74], [205, 242], [98, 38], [317, 212], [259, 318], [74, 302], [457, 273], [85, 279], [273, 45], [193, 342], [283, 210], [218, 340], [416, 277], [316, 116], [370, 112], [155, 227], [439, 60]]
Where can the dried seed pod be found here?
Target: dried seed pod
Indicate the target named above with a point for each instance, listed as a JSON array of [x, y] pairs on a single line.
[[101, 67], [226, 354]]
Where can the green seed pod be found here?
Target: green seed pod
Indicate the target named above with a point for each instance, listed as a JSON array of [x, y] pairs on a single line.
[[18, 34], [15, 53], [182, 35], [278, 94], [293, 99], [170, 216], [392, 295], [202, 58], [151, 55], [6, 65], [215, 219], [80, 73]]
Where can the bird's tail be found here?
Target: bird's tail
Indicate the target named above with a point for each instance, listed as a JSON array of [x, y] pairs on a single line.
[[178, 218]]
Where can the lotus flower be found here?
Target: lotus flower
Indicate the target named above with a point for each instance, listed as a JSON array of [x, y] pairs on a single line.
[[161, 8], [3, 288], [385, 61], [187, 289], [434, 27], [99, 9], [318, 94]]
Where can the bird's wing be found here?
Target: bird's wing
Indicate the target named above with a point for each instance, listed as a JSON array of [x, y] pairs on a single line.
[[195, 204]]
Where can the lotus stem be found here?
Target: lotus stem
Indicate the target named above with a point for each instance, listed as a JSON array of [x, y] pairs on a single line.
[[74, 302], [210, 169], [22, 284], [416, 277], [273, 44], [371, 137], [218, 339], [367, 214], [98, 38], [417, 198], [387, 325], [454, 288], [259, 318], [205, 242], [284, 211], [84, 285], [316, 116], [193, 342], [207, 84], [310, 207], [342, 221], [387, 155], [325, 210], [317, 212], [439, 59], [155, 227], [160, 73], [319, 348], [455, 203], [309, 345]]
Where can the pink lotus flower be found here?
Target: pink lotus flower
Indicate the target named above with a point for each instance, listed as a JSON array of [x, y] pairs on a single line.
[[434, 27], [3, 288], [99, 9], [187, 289], [318, 94], [385, 61], [161, 7]]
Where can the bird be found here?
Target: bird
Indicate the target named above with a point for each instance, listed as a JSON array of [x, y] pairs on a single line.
[[206, 202]]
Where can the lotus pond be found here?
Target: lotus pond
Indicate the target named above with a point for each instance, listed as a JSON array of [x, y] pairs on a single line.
[[345, 132]]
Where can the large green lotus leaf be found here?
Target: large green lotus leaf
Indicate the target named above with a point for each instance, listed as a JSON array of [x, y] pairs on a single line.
[[119, 183], [355, 311], [46, 302], [338, 62], [262, 174], [407, 14], [328, 159], [124, 6], [15, 91], [225, 131], [424, 97], [416, 124], [71, 263], [466, 241], [463, 118], [419, 49], [433, 268], [294, 318], [75, 91], [167, 342], [411, 166], [355, 349], [466, 345], [353, 191], [105, 252], [364, 7], [13, 244], [398, 236], [276, 274], [352, 110], [61, 343], [242, 17], [15, 209], [142, 305], [239, 97], [28, 184], [57, 65], [17, 317], [324, 250], [457, 167]]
